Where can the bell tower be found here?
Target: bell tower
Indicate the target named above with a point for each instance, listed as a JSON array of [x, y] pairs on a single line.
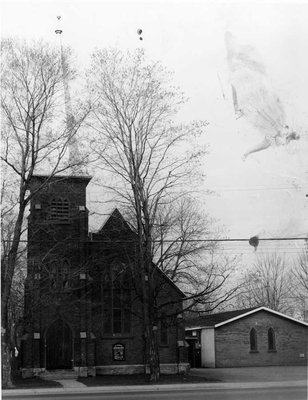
[[56, 272], [58, 220]]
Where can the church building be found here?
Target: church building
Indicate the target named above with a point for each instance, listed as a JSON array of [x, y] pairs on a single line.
[[83, 308]]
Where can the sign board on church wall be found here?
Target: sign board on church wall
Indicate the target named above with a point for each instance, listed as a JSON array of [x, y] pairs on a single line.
[[118, 351]]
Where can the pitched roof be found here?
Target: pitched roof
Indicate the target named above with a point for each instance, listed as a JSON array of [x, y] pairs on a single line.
[[116, 223], [213, 319], [219, 319], [170, 281]]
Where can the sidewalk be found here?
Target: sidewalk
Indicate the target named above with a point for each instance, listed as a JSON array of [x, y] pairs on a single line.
[[151, 388], [232, 378]]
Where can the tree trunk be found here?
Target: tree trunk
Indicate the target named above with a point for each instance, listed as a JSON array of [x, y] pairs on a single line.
[[6, 358], [7, 273], [153, 356]]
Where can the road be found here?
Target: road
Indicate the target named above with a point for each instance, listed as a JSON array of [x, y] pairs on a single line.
[[279, 393]]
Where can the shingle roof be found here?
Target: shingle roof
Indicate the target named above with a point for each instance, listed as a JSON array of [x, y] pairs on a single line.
[[214, 319], [219, 319]]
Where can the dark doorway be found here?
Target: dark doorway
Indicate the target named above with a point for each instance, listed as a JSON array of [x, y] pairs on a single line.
[[59, 346], [194, 353]]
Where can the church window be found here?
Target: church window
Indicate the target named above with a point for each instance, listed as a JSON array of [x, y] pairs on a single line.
[[59, 275], [53, 275], [271, 339], [59, 210], [163, 338], [253, 340], [116, 300], [65, 275]]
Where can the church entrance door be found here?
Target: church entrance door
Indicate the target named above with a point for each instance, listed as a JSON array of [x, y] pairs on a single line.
[[59, 346]]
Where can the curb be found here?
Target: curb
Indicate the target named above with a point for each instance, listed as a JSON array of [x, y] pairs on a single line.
[[154, 388]]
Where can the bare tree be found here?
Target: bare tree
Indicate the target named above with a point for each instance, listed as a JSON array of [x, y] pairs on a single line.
[[267, 284], [35, 137], [300, 284], [185, 249], [153, 162]]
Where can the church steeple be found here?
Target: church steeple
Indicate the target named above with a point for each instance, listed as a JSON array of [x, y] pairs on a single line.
[[74, 153]]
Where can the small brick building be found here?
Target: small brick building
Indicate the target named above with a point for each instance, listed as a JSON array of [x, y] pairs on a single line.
[[82, 297], [250, 337]]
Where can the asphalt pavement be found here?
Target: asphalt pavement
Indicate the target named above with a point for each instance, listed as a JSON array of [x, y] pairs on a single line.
[[195, 393], [273, 380]]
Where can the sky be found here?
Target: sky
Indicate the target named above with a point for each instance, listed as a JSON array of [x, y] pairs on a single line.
[[266, 194]]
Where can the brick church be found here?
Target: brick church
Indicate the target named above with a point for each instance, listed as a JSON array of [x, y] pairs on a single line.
[[83, 308]]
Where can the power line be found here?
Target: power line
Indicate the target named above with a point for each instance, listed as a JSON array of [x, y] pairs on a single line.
[[250, 189], [158, 240]]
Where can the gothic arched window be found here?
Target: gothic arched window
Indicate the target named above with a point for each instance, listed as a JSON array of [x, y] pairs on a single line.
[[117, 299], [65, 274], [271, 340], [163, 331], [59, 210], [253, 340], [53, 275], [59, 275]]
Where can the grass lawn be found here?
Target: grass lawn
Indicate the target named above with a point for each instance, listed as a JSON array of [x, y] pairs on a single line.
[[33, 383], [124, 380], [110, 380]]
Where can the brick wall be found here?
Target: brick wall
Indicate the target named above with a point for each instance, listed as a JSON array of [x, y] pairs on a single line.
[[134, 344], [232, 342], [51, 241]]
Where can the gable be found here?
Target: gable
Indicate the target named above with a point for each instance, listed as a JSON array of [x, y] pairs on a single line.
[[221, 319], [115, 223], [257, 310], [118, 231]]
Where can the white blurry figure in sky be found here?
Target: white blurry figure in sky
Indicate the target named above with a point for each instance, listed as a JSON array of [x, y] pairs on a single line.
[[254, 98]]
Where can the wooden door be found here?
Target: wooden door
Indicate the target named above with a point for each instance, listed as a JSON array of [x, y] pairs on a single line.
[[59, 346]]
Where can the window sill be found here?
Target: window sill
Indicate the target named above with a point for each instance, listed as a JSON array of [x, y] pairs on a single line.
[[254, 351], [164, 345], [272, 351]]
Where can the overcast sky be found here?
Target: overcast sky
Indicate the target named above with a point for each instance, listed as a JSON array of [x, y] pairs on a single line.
[[265, 194]]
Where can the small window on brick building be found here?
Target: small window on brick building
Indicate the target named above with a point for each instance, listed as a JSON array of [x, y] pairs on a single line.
[[163, 332], [271, 340], [253, 340], [59, 210]]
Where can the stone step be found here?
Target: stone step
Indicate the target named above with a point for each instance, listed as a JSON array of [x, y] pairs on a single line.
[[59, 374]]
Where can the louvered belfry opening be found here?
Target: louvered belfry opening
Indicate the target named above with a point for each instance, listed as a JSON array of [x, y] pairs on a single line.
[[60, 210]]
